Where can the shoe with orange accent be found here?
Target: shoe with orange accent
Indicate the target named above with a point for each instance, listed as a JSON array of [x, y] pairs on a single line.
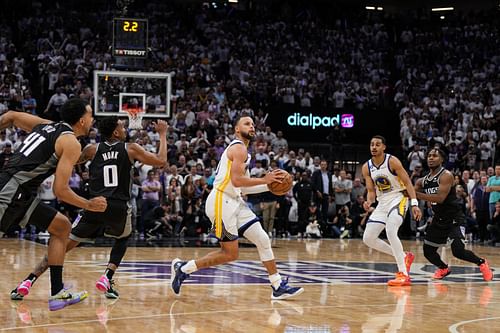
[[485, 269], [401, 280], [409, 257], [440, 273]]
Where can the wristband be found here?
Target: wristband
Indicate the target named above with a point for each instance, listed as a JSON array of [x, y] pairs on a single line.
[[414, 202]]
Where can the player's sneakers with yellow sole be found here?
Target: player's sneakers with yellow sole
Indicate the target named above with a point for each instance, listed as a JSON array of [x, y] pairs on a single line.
[[441, 273], [65, 298], [177, 276], [487, 272], [285, 291], [409, 257], [401, 280]]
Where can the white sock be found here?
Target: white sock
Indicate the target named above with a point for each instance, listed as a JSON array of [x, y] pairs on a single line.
[[189, 267], [275, 280]]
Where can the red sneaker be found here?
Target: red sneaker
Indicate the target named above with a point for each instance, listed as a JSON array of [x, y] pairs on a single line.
[[409, 257], [485, 269], [440, 273], [401, 280]]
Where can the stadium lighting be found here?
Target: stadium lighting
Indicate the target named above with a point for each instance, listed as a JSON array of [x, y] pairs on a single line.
[[442, 9], [370, 8], [380, 8], [441, 17], [232, 1]]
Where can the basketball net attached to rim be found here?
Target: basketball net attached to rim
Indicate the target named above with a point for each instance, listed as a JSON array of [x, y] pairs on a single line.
[[134, 115]]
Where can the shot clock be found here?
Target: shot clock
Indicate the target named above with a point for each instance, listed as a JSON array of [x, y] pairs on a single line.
[[130, 37]]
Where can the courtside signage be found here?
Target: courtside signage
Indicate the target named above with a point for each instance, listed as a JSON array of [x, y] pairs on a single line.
[[312, 121]]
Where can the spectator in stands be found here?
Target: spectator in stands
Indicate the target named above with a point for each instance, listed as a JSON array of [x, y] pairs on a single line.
[[322, 187], [493, 187], [6, 154], [150, 196], [480, 207], [342, 188], [494, 227]]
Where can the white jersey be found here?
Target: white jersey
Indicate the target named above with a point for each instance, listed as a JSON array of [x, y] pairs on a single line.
[[222, 180], [387, 184]]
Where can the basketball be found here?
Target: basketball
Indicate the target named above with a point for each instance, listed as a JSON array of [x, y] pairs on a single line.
[[281, 188]]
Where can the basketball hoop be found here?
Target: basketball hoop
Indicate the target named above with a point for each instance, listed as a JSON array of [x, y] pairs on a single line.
[[134, 118]]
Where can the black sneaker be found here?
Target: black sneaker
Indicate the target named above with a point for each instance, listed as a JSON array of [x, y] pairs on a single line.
[[177, 276], [111, 293]]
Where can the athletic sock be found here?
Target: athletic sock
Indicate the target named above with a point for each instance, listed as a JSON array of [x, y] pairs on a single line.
[[32, 277], [109, 273], [189, 267], [275, 280], [56, 283]]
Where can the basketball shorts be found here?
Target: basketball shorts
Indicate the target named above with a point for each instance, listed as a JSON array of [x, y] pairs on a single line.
[[114, 222], [385, 207], [230, 216], [444, 229], [19, 206]]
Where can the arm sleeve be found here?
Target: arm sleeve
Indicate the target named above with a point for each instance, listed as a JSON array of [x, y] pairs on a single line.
[[254, 189]]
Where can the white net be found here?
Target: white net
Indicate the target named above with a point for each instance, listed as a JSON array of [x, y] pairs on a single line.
[[134, 119]]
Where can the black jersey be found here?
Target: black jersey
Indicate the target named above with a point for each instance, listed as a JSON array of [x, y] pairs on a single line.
[[450, 207], [111, 172], [36, 159]]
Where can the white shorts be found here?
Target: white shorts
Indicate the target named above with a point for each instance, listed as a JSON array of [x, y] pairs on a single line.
[[384, 208], [228, 215]]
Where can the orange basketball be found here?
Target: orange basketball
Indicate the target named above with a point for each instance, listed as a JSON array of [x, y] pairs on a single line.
[[281, 188]]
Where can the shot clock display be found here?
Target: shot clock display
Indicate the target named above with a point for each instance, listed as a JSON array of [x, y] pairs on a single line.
[[130, 37]]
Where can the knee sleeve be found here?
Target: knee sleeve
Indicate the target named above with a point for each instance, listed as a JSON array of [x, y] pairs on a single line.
[[429, 251], [372, 231], [118, 251], [259, 238]]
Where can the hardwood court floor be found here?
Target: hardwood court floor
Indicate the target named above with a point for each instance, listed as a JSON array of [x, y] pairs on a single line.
[[344, 283]]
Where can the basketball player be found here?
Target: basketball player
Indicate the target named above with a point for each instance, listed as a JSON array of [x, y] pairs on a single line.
[[111, 177], [50, 148], [448, 221], [231, 217], [386, 180]]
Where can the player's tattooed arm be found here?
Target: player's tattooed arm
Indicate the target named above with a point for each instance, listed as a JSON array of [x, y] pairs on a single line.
[[87, 154]]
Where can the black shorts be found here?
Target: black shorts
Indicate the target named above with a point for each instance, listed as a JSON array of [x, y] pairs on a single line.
[[441, 230], [114, 222], [19, 206]]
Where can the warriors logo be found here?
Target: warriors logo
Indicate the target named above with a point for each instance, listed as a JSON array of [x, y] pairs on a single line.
[[383, 184]]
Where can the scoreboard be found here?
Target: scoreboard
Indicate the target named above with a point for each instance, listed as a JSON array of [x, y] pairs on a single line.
[[130, 37]]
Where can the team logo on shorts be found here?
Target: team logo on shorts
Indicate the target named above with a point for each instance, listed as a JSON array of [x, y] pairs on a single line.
[[383, 184]]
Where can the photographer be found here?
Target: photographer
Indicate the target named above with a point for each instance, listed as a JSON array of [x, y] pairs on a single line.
[[342, 224]]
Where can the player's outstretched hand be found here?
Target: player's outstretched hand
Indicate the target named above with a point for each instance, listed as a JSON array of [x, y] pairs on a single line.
[[276, 175], [161, 127], [417, 214], [97, 204]]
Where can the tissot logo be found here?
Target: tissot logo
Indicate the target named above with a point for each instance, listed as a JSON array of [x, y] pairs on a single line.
[[309, 120]]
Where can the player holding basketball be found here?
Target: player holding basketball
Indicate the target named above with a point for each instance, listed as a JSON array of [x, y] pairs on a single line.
[[448, 221], [110, 177], [231, 217], [50, 148], [386, 180]]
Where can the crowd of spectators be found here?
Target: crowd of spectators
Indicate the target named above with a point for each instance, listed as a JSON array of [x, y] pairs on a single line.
[[442, 79]]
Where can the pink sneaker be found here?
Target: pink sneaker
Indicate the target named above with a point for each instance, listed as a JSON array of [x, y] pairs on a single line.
[[24, 287], [102, 284]]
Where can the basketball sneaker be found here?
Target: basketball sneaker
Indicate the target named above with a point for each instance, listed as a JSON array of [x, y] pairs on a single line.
[[177, 276], [409, 257], [111, 293], [485, 269], [440, 273], [65, 298], [401, 280], [102, 284], [285, 291], [23, 289]]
